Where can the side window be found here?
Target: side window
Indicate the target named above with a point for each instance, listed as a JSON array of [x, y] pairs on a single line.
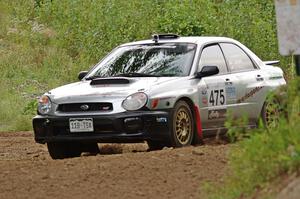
[[212, 56], [236, 58]]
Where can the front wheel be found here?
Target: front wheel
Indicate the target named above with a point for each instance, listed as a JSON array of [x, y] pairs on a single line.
[[61, 150], [91, 148], [182, 125], [155, 145]]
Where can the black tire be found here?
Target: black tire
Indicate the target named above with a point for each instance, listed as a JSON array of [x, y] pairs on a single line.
[[197, 140], [271, 113], [155, 145], [61, 150], [182, 125], [91, 148]]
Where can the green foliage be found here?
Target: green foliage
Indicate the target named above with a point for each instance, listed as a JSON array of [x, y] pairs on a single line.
[[30, 108], [174, 19], [45, 43], [235, 130], [265, 155]]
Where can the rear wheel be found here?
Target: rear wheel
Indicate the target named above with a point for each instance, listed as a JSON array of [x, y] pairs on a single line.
[[182, 126], [60, 150], [271, 113]]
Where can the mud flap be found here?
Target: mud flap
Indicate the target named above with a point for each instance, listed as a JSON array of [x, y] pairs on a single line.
[[198, 137]]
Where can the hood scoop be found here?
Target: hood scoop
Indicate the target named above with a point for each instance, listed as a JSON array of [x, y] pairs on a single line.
[[99, 81]]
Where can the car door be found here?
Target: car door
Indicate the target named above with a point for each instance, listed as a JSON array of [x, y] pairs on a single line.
[[250, 82], [216, 92]]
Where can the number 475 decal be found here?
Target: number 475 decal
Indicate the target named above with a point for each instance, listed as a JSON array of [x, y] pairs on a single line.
[[217, 97]]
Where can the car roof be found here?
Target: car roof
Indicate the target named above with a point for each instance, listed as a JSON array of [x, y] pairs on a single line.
[[192, 39]]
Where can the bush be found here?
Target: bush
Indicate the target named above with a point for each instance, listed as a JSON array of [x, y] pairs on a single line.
[[265, 155]]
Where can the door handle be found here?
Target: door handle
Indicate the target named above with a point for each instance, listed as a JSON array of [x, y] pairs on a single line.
[[228, 82], [259, 78]]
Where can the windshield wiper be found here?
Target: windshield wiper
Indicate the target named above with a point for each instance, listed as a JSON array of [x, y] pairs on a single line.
[[93, 77], [135, 75], [167, 75], [131, 75]]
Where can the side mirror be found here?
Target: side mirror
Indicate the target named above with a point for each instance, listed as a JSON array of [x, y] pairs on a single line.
[[207, 71], [82, 74]]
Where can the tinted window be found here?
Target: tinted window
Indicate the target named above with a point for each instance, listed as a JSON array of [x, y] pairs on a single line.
[[212, 56], [236, 58]]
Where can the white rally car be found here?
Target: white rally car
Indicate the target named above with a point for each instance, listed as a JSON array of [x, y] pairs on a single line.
[[168, 91]]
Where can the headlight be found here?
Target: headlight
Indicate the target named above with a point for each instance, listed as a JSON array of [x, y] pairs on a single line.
[[135, 101], [44, 105]]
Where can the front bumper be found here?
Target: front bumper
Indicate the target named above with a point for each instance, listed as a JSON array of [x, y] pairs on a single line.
[[122, 127]]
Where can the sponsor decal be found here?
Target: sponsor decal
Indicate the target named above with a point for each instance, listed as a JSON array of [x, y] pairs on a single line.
[[161, 119], [216, 114], [204, 100], [203, 97], [230, 92], [249, 94]]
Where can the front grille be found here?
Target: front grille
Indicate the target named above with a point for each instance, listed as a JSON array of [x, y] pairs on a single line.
[[85, 107]]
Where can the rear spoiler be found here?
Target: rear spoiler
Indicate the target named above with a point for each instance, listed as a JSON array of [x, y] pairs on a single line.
[[275, 62]]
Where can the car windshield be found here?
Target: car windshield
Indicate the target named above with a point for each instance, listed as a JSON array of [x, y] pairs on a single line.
[[148, 60]]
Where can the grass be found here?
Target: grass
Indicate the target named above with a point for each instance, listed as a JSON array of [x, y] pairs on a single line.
[[264, 156]]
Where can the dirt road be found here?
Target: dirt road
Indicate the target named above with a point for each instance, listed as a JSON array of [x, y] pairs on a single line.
[[120, 171]]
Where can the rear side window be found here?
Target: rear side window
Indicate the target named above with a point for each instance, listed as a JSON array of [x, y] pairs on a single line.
[[212, 56], [236, 58]]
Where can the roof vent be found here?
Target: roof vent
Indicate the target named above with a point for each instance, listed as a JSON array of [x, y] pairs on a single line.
[[156, 37]]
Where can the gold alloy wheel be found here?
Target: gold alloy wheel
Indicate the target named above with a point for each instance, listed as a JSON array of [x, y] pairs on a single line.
[[183, 126], [272, 114]]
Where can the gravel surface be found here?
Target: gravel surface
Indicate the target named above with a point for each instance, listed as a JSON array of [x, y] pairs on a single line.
[[120, 171]]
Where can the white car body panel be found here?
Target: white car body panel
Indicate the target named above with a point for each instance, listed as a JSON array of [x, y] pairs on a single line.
[[169, 90]]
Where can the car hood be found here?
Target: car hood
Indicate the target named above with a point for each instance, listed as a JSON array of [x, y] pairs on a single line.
[[84, 91]]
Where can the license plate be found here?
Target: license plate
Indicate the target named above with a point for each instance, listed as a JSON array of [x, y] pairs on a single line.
[[81, 125]]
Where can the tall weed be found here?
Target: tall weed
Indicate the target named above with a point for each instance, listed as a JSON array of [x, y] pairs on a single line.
[[265, 155]]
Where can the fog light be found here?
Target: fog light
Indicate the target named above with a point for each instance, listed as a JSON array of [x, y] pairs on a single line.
[[133, 124]]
